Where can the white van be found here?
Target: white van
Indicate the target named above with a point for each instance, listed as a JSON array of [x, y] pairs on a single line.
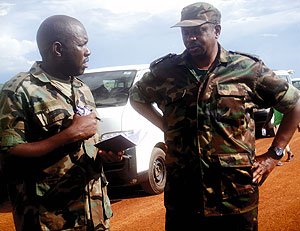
[[285, 74], [145, 163]]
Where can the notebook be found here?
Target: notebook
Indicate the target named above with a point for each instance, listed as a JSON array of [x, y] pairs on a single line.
[[115, 144]]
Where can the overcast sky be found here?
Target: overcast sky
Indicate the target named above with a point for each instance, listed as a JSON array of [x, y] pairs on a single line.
[[126, 32]]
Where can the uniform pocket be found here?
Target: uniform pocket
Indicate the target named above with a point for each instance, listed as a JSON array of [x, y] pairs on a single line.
[[58, 193], [231, 102], [235, 174], [51, 113], [234, 160]]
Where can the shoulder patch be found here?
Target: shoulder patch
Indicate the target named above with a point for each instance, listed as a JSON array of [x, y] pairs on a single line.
[[159, 60], [14, 83], [251, 56]]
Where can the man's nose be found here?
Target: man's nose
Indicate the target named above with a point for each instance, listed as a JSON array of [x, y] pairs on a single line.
[[192, 37], [87, 52]]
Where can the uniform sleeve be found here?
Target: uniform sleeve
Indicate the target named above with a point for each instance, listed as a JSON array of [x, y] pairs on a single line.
[[289, 100], [145, 90], [271, 91], [12, 120]]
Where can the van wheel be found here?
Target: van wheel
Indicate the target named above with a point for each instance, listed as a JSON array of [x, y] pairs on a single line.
[[157, 173]]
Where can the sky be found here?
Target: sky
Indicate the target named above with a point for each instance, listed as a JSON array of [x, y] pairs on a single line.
[[128, 32]]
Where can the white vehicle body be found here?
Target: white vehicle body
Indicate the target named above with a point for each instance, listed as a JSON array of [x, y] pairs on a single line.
[[285, 74], [146, 160]]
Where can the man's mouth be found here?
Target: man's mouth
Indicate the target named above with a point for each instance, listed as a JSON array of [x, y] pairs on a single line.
[[85, 63], [194, 49]]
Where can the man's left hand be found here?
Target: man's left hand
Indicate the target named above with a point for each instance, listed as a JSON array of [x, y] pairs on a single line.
[[110, 157], [263, 166]]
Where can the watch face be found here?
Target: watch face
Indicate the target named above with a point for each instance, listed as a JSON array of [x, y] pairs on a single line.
[[278, 151]]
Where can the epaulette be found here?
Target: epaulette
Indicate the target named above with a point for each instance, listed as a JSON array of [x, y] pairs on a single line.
[[160, 60], [251, 56], [14, 83]]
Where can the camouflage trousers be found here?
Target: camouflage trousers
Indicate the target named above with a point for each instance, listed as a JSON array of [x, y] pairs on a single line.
[[185, 221]]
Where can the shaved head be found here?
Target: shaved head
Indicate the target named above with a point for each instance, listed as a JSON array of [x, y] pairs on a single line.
[[62, 42], [55, 28]]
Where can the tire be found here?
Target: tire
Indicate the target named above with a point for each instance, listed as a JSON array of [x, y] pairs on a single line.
[[157, 173]]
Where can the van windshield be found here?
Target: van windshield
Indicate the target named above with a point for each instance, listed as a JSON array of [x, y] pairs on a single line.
[[110, 88], [296, 84]]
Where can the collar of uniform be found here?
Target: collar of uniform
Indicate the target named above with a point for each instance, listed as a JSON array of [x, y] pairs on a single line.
[[224, 55], [184, 59], [37, 72], [77, 82]]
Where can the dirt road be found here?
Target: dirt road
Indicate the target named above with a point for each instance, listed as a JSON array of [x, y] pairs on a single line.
[[279, 207]]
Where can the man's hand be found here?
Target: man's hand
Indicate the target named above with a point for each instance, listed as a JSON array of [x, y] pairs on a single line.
[[110, 157], [262, 167], [83, 127]]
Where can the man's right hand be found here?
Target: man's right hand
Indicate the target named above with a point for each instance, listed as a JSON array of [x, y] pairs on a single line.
[[83, 127]]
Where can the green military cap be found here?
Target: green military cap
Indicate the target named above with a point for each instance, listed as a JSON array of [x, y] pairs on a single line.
[[199, 13]]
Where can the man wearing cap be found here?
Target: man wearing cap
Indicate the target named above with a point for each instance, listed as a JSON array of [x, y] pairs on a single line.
[[207, 96]]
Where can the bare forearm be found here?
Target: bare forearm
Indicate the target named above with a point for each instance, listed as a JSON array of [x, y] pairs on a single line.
[[269, 117], [265, 163], [82, 128], [149, 112], [287, 127], [40, 148]]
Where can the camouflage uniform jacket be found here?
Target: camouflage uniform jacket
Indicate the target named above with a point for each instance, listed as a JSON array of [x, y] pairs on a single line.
[[209, 127], [65, 189]]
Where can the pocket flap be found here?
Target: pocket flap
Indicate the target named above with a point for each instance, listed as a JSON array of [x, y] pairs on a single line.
[[231, 90], [234, 160], [51, 112]]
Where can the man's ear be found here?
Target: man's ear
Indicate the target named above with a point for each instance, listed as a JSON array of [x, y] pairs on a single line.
[[218, 31], [57, 48]]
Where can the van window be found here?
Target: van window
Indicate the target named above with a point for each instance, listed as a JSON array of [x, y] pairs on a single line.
[[110, 88], [296, 84]]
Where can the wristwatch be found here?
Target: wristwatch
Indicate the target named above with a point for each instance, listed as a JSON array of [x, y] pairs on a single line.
[[278, 151]]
